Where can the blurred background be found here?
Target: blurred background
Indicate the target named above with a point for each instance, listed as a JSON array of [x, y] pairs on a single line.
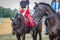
[[8, 8]]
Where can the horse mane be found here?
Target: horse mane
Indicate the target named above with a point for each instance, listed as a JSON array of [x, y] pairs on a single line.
[[46, 5]]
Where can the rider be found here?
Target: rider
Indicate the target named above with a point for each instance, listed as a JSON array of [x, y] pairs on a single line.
[[52, 4], [56, 5], [24, 10]]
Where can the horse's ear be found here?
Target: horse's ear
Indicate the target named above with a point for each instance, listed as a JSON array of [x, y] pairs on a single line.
[[36, 4], [11, 19]]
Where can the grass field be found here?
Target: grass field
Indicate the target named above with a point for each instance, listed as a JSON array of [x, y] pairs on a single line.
[[5, 31], [13, 37]]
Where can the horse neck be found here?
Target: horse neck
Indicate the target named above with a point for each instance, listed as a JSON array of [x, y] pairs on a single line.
[[52, 14], [48, 10]]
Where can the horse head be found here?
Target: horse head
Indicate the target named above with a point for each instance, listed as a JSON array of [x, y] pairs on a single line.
[[38, 10], [16, 22], [44, 9]]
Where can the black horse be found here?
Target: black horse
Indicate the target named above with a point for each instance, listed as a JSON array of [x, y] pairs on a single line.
[[19, 27], [43, 9]]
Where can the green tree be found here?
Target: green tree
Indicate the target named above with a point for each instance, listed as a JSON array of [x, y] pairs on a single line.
[[7, 12]]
